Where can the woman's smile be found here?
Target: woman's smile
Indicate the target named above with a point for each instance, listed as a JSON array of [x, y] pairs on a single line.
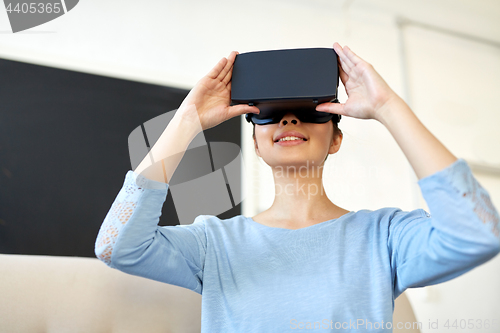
[[290, 142], [290, 138]]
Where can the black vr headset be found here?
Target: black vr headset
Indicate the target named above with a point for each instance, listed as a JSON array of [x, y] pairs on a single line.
[[282, 81]]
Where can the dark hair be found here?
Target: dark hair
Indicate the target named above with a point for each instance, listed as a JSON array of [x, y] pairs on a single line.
[[336, 131]]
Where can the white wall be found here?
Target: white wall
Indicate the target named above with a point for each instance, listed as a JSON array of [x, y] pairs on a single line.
[[177, 42], [452, 83]]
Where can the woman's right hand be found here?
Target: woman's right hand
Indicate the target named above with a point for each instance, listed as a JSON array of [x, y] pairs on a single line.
[[210, 99]]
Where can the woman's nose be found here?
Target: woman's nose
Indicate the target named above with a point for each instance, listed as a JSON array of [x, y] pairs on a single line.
[[289, 118]]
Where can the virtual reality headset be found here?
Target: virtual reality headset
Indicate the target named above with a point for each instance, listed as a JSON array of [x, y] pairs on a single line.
[[282, 81]]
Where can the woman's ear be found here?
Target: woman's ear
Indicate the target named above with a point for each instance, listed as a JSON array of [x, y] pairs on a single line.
[[256, 146], [336, 142]]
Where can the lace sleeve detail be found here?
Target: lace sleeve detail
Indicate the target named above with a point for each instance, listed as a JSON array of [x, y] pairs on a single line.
[[121, 210], [460, 233], [467, 186]]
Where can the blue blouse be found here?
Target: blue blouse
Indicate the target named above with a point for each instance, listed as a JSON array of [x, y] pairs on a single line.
[[341, 274]]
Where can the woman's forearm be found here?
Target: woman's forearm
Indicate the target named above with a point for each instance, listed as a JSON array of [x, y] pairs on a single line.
[[423, 150], [164, 157]]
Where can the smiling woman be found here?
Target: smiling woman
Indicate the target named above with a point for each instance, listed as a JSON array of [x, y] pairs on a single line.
[[303, 260], [317, 141]]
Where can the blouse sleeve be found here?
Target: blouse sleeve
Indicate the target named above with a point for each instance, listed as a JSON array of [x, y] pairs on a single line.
[[131, 241], [460, 233]]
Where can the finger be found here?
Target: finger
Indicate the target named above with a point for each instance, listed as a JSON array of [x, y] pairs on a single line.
[[228, 76], [343, 58], [240, 109], [337, 108], [348, 70], [343, 76], [230, 73], [214, 72], [352, 56], [227, 68]]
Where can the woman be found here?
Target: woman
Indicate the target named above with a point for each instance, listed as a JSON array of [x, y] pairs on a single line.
[[305, 262]]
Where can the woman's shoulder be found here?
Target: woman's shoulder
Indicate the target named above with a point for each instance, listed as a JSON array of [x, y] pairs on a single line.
[[390, 215]]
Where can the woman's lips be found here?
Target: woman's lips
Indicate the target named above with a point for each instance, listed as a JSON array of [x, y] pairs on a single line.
[[290, 142]]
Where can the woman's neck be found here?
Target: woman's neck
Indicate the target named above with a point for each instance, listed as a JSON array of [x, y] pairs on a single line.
[[300, 199]]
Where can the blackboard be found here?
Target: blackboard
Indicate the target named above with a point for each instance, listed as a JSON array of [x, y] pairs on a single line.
[[64, 153]]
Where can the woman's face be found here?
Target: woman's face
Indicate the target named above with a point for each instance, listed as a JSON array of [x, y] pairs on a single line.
[[310, 152]]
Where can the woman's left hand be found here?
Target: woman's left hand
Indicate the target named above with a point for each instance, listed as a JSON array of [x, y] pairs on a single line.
[[368, 93]]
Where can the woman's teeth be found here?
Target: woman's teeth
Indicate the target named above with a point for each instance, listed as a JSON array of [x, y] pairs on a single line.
[[290, 138]]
